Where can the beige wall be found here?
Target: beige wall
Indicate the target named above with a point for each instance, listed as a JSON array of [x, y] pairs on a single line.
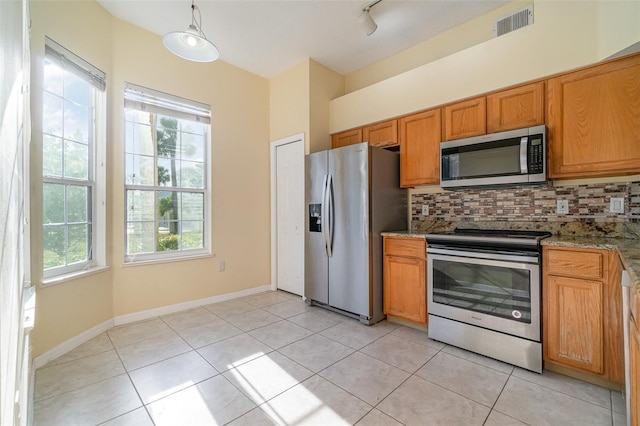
[[325, 85], [240, 163], [240, 170], [299, 103], [564, 35], [461, 37], [289, 103], [65, 310]]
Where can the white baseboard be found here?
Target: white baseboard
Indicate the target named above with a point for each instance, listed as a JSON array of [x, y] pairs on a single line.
[[170, 309], [72, 343], [83, 337]]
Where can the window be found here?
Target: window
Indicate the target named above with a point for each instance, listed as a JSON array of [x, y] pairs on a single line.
[[166, 169], [72, 142]]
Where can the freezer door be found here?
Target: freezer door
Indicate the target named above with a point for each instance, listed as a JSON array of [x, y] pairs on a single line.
[[349, 266], [316, 270]]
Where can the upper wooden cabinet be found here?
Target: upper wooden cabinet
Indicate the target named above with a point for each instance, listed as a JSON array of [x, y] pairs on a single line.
[[349, 137], [593, 120], [465, 119], [582, 311], [522, 106], [383, 135], [420, 148]]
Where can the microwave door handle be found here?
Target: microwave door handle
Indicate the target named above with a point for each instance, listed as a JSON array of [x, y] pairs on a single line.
[[524, 144]]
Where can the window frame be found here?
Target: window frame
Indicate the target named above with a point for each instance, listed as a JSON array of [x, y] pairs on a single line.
[[150, 101], [96, 173]]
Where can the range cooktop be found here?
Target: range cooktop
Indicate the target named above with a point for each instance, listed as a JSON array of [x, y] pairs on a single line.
[[488, 237]]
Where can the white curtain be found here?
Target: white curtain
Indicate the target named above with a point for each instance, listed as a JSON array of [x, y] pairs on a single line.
[[15, 294]]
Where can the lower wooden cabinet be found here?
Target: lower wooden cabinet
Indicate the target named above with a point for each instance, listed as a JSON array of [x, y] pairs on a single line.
[[582, 311], [405, 278]]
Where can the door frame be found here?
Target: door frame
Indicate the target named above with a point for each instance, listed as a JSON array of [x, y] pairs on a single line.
[[298, 138]]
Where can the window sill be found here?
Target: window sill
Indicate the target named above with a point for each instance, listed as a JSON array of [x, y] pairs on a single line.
[[142, 262], [59, 279]]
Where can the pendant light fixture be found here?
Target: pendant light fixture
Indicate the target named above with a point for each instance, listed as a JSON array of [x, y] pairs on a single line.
[[191, 43], [365, 20]]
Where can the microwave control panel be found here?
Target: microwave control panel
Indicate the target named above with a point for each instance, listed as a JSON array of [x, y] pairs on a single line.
[[536, 157]]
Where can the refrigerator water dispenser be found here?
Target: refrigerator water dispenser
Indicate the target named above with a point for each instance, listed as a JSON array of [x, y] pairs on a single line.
[[315, 217]]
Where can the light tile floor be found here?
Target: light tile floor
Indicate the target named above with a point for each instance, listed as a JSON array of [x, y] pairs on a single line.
[[270, 359]]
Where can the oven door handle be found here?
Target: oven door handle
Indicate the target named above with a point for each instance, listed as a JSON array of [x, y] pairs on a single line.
[[486, 256]]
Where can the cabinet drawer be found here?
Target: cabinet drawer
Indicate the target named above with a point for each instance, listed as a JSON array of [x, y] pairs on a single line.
[[405, 247], [577, 264]]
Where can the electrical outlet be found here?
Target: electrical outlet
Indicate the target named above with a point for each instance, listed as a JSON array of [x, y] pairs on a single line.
[[562, 207], [616, 205], [425, 210], [221, 266]]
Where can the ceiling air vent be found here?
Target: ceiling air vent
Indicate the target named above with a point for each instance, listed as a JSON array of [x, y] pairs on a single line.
[[515, 21]]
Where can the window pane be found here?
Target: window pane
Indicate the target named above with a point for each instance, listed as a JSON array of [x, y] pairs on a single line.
[[192, 234], [192, 147], [76, 122], [77, 203], [52, 114], [167, 137], [78, 243], [192, 206], [168, 211], [168, 172], [168, 241], [192, 174], [51, 156], [193, 127], [53, 203], [140, 170], [76, 160], [139, 138], [75, 89], [52, 78], [140, 237], [53, 241], [141, 205]]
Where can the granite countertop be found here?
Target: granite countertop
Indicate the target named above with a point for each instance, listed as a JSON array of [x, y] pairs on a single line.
[[627, 248]]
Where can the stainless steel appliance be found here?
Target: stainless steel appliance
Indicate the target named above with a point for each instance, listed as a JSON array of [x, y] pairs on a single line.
[[512, 157], [626, 325], [352, 194], [483, 291]]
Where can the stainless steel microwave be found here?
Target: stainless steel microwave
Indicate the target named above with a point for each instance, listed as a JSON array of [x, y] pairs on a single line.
[[505, 158]]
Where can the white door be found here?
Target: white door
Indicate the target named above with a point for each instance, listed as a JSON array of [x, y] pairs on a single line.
[[289, 215]]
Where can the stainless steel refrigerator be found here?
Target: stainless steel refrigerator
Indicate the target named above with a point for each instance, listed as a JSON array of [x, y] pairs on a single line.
[[351, 194]]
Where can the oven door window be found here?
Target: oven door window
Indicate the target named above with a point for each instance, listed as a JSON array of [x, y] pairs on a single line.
[[493, 290]]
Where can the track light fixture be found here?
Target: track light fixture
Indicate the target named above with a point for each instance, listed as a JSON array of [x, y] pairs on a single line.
[[365, 20], [191, 43]]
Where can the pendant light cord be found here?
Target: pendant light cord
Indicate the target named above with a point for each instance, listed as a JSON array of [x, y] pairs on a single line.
[[194, 22]]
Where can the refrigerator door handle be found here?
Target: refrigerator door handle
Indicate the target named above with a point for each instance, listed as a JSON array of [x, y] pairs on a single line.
[[330, 216], [324, 215]]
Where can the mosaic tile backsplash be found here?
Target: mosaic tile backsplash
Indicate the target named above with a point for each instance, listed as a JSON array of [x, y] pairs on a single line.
[[588, 208]]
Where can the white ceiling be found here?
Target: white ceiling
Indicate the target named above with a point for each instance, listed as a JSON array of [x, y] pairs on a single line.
[[267, 37]]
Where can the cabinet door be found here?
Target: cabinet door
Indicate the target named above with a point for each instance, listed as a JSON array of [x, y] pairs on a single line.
[[465, 119], [349, 137], [404, 288], [516, 108], [593, 119], [573, 323], [420, 149], [382, 135]]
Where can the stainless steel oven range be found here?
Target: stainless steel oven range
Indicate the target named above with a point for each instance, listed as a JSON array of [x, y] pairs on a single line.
[[484, 293]]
